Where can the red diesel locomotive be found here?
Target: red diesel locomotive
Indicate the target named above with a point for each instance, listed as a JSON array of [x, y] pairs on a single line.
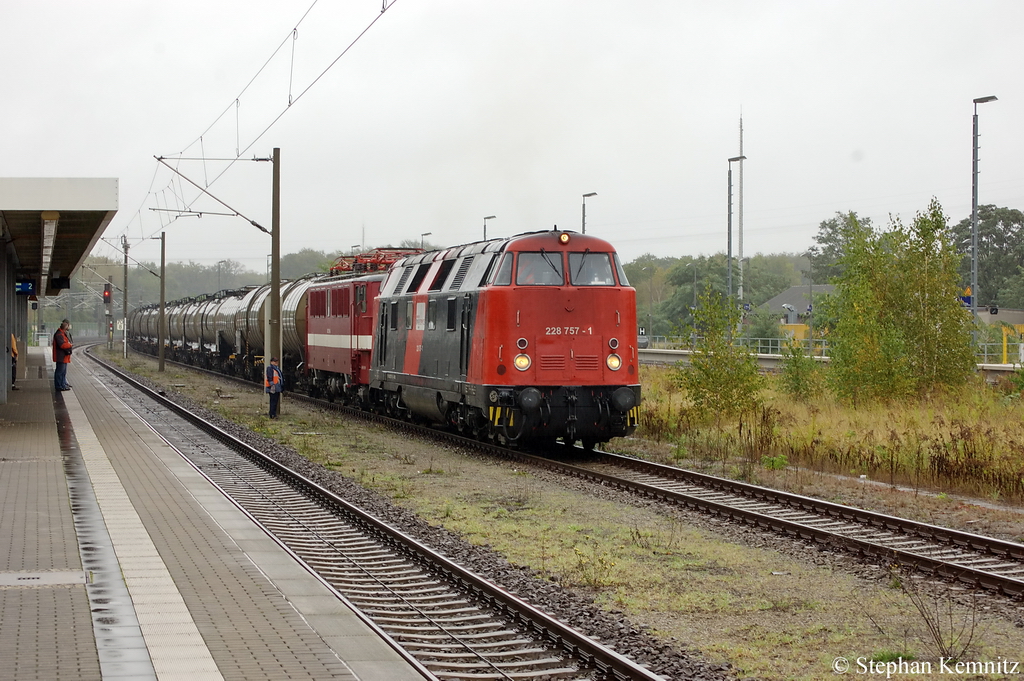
[[532, 337]]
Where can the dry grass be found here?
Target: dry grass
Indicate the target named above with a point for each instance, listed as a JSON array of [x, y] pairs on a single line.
[[770, 615], [970, 442]]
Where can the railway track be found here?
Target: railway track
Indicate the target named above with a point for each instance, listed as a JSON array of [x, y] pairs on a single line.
[[454, 623], [983, 562]]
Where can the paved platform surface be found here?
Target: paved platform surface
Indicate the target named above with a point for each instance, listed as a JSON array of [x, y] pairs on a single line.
[[119, 561]]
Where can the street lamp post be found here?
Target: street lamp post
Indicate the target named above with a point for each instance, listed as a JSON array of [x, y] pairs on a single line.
[[424, 234], [585, 210], [489, 217], [650, 307], [974, 211], [694, 264], [729, 255]]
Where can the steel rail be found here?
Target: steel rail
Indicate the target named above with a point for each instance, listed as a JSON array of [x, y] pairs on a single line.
[[608, 663], [979, 544], [988, 546]]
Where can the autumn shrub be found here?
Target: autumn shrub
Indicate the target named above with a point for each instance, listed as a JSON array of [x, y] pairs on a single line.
[[721, 380]]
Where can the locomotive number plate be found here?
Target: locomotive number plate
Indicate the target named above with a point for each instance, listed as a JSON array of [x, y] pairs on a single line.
[[568, 331]]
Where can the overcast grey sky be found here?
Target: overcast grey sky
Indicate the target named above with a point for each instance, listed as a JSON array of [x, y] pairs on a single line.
[[447, 111]]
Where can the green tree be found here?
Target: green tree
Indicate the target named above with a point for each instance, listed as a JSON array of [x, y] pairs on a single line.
[[1000, 255], [899, 328], [763, 323], [832, 241], [707, 271], [766, 276], [649, 276], [722, 379], [801, 377], [306, 261]]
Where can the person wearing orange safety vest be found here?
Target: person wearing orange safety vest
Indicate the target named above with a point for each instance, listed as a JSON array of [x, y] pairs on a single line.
[[274, 384]]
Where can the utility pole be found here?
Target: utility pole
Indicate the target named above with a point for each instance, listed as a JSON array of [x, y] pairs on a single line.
[[728, 277], [274, 341], [739, 227], [162, 333], [124, 295], [109, 314]]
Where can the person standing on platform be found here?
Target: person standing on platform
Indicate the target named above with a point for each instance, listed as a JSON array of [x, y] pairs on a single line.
[[274, 384], [62, 345], [14, 362]]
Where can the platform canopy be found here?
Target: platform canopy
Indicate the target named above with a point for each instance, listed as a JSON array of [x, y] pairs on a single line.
[[53, 223]]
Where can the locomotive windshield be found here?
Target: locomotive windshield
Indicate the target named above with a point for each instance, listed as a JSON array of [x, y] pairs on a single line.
[[590, 269], [540, 269]]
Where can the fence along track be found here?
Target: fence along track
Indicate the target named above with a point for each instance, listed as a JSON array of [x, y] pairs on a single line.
[[453, 622]]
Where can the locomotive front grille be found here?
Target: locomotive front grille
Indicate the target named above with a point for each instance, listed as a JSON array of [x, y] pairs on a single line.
[[552, 362], [588, 362]]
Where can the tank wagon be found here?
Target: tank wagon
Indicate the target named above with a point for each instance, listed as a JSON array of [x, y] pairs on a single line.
[[225, 331]]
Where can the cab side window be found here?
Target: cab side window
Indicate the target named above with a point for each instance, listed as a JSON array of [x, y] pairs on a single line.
[[503, 276]]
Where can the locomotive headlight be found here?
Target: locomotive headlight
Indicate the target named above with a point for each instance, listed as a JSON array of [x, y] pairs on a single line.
[[563, 238], [522, 362], [614, 362]]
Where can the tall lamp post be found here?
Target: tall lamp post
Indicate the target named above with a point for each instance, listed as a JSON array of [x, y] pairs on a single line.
[[489, 217], [974, 211], [424, 234], [650, 307], [729, 256], [585, 210], [693, 263]]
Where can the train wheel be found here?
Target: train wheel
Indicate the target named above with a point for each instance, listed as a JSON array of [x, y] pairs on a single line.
[[588, 444]]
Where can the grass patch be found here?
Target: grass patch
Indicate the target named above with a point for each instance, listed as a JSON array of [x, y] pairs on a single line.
[[969, 442]]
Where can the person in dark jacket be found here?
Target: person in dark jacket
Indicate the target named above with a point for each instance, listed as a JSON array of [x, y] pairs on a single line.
[[62, 345], [274, 384], [14, 362]]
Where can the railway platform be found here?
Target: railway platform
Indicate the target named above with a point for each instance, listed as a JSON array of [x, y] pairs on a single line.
[[123, 562]]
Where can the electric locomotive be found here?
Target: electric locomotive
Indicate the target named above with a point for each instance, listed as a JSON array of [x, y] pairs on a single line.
[[531, 337], [339, 325]]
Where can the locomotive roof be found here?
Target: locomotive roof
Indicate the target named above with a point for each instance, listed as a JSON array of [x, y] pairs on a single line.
[[526, 241]]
